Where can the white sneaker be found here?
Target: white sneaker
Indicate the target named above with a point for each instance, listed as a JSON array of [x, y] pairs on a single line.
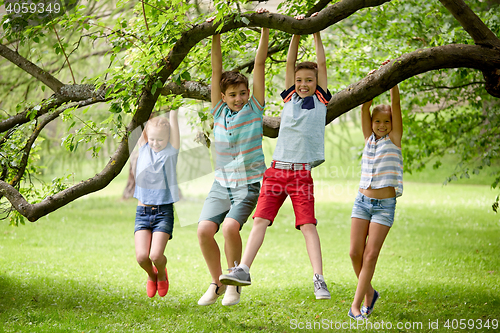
[[232, 296], [211, 295]]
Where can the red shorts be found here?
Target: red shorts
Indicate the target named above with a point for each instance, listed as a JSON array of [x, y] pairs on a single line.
[[277, 185]]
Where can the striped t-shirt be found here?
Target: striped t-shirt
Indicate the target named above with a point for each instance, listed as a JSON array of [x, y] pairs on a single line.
[[382, 165], [238, 144]]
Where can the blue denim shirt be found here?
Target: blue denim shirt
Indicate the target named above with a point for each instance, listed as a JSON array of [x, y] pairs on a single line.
[[156, 176]]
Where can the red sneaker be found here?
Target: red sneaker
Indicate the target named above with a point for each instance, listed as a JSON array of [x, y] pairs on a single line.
[[151, 286], [163, 285]]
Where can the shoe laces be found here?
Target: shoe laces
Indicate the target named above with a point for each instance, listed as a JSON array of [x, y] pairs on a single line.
[[318, 284], [232, 269]]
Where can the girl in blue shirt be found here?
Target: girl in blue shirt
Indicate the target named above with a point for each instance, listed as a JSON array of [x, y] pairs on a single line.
[[156, 190]]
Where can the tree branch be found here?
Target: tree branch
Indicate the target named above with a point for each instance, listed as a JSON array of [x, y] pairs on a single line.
[[270, 52], [408, 65], [64, 52], [23, 117], [67, 93], [27, 147], [189, 39], [318, 7], [476, 28], [432, 87], [34, 211], [188, 89], [30, 68]]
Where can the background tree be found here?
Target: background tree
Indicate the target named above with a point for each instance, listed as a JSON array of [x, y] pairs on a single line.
[[97, 71]]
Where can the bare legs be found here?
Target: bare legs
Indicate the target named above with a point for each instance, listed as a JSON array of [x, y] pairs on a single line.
[[313, 247], [258, 232], [210, 249], [149, 249], [366, 242], [255, 240]]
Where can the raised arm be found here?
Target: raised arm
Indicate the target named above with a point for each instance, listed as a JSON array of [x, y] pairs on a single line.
[[366, 119], [397, 120], [143, 139], [216, 70], [291, 59], [259, 79], [175, 139], [321, 60]]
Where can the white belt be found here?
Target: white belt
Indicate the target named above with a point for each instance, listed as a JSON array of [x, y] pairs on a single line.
[[290, 166]]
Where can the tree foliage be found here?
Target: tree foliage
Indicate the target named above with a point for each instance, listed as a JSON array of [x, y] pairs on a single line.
[[97, 71]]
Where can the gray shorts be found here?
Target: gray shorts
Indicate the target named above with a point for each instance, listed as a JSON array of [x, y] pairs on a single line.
[[236, 203]]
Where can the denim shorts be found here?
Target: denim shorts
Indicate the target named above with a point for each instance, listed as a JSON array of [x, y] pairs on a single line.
[[155, 218], [380, 211], [236, 203]]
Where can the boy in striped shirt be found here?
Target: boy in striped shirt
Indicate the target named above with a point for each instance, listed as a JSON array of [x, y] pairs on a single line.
[[239, 165], [300, 147]]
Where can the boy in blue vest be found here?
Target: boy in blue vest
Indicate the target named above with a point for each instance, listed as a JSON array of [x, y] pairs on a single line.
[[300, 147], [239, 165]]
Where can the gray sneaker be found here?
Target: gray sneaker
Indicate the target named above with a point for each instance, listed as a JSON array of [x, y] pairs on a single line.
[[320, 288], [236, 277]]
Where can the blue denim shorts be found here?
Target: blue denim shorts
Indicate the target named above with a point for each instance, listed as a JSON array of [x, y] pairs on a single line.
[[155, 218], [380, 211], [236, 203]]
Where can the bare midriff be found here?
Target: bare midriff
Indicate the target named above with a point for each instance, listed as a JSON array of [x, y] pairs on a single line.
[[379, 193]]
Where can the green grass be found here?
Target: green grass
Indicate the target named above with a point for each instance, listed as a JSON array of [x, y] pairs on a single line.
[[75, 270]]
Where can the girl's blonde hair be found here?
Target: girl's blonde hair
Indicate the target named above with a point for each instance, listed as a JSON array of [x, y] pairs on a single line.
[[157, 122]]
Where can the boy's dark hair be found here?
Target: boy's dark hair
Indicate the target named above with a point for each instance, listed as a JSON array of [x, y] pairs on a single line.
[[232, 78], [307, 65]]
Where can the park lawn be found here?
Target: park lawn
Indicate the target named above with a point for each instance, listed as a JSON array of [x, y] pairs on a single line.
[[75, 271]]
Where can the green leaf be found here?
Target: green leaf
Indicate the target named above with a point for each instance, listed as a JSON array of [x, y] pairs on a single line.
[[115, 108], [155, 86], [186, 76]]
